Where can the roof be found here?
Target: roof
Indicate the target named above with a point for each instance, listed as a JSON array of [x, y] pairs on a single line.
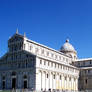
[[85, 67], [31, 41], [67, 47], [85, 59]]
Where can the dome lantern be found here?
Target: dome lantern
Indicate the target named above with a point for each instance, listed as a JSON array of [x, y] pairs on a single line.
[[67, 40]]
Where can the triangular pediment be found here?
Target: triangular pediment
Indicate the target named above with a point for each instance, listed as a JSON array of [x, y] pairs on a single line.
[[16, 37]]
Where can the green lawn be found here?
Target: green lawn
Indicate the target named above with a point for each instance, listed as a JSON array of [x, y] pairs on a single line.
[[6, 91]]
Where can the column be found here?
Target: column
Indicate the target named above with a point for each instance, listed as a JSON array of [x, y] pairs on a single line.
[[19, 80], [54, 81], [8, 80], [65, 79], [68, 83], [76, 84], [31, 81], [47, 81], [57, 81], [60, 79], [43, 80], [38, 81], [72, 83], [63, 87]]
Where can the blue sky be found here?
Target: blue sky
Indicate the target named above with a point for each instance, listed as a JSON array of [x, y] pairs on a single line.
[[49, 22]]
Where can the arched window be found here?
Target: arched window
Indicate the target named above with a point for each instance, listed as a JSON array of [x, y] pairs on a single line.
[[86, 81], [3, 78], [25, 77], [47, 75], [13, 73], [54, 76], [60, 77], [74, 57]]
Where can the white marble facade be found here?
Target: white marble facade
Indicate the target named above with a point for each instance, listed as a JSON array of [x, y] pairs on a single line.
[[28, 64]]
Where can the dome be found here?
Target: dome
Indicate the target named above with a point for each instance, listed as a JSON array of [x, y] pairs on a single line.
[[67, 47]]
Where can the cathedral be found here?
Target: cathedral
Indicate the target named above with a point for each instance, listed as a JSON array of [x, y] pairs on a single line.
[[30, 65]]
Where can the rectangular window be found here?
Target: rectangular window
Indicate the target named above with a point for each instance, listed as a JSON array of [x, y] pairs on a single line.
[[47, 53], [55, 56], [78, 63], [60, 57], [48, 63], [55, 65], [63, 59], [58, 65], [88, 71], [44, 62], [52, 55], [40, 61], [36, 50], [90, 62], [24, 46], [66, 60], [30, 47], [42, 51], [61, 66], [84, 63], [51, 64]]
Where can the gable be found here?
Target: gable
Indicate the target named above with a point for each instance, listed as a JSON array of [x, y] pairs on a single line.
[[15, 38], [4, 57]]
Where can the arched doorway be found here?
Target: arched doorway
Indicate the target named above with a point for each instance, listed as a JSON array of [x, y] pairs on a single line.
[[25, 82], [13, 80], [3, 82]]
